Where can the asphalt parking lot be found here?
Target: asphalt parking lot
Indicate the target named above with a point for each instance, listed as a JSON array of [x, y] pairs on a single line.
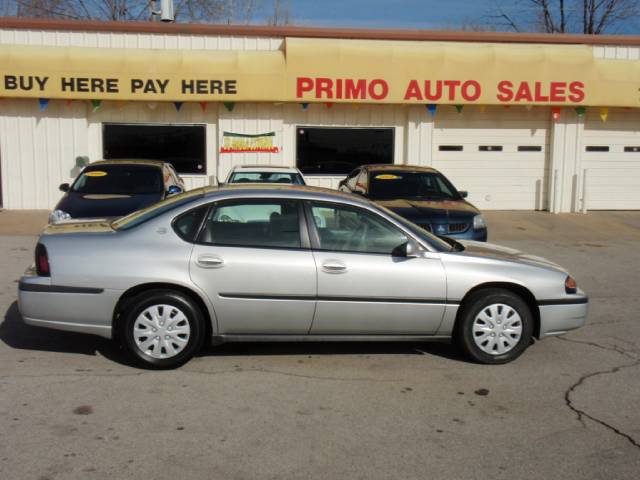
[[72, 407]]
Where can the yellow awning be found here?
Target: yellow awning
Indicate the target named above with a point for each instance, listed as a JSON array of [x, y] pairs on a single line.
[[328, 70]]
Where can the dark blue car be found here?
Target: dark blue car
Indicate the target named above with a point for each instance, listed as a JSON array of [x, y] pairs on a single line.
[[113, 188], [421, 195]]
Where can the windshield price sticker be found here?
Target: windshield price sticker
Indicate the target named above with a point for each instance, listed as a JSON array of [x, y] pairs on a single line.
[[96, 173], [387, 176]]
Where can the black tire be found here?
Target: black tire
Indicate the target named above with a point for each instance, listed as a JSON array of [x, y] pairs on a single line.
[[473, 306], [192, 313]]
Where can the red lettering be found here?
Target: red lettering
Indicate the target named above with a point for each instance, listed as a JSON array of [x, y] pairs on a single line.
[[523, 93], [577, 92], [384, 89], [452, 84], [324, 86], [427, 90], [538, 93], [413, 91], [355, 90], [339, 88], [466, 86], [505, 92], [557, 93], [304, 84]]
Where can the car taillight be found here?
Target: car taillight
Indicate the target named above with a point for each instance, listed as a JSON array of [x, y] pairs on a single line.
[[570, 285], [42, 261]]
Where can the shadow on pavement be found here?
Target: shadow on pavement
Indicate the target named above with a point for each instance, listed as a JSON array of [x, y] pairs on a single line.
[[16, 334]]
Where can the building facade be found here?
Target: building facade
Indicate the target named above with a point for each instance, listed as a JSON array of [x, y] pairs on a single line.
[[522, 122]]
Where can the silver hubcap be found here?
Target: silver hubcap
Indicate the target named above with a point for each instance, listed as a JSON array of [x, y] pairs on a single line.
[[161, 331], [497, 329]]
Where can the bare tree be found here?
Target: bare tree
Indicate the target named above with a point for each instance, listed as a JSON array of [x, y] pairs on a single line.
[[227, 11], [280, 13], [565, 16]]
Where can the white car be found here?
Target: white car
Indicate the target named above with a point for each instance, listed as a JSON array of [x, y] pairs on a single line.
[[263, 174]]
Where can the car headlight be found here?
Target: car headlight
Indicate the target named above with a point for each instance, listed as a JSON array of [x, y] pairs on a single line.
[[58, 216], [479, 223], [570, 285]]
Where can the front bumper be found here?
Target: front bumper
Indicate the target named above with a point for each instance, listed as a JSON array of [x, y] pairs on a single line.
[[471, 234], [559, 317], [75, 309]]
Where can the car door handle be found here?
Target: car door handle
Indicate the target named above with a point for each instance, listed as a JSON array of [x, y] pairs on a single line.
[[334, 266], [209, 261]]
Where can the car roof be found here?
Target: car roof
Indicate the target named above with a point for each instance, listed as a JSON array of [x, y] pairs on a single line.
[[265, 168], [124, 161], [284, 191], [398, 168]]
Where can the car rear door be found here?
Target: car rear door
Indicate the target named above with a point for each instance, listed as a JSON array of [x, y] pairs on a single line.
[[362, 288], [252, 258]]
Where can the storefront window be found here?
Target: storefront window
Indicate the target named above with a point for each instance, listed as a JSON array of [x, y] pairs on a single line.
[[184, 146], [337, 151]]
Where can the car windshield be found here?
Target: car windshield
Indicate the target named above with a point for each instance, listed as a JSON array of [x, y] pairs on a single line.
[[290, 178], [128, 179], [136, 218], [388, 185], [437, 243]]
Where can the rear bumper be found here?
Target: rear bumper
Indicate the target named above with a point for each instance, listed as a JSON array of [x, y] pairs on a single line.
[[75, 309], [558, 317]]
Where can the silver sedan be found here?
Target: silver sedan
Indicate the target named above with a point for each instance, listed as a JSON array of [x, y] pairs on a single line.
[[277, 263]]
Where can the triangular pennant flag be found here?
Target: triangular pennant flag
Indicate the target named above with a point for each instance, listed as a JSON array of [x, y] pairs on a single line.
[[122, 104], [203, 106], [482, 108], [555, 113], [68, 102], [43, 102], [329, 104], [96, 105], [304, 106], [432, 109], [528, 107], [152, 105], [229, 106], [459, 108], [178, 105], [581, 111], [604, 113], [507, 107]]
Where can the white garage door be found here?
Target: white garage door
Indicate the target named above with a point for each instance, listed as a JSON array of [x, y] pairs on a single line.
[[611, 158], [500, 156]]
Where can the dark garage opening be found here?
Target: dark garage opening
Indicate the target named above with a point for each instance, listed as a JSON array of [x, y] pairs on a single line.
[[184, 146], [337, 151]]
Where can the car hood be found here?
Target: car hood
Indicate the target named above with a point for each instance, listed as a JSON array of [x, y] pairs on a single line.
[[498, 252], [80, 205], [436, 211]]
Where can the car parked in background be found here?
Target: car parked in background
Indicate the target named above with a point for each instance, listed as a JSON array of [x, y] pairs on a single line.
[[283, 263], [265, 174], [114, 188], [420, 194]]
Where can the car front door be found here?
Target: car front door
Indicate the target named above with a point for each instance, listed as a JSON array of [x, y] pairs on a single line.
[[362, 288], [252, 258]]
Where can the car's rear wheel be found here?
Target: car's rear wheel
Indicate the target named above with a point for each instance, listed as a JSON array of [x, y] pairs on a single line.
[[162, 329], [495, 326]]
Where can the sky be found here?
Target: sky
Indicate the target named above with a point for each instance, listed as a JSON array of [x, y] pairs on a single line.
[[409, 14], [422, 14]]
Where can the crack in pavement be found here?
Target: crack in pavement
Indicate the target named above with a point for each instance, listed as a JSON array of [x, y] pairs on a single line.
[[581, 414]]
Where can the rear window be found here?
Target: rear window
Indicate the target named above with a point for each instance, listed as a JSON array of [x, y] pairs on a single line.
[[119, 180], [153, 211], [266, 177]]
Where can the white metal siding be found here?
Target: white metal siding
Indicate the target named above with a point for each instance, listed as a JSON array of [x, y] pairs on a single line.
[[136, 40], [38, 150], [613, 178], [506, 180]]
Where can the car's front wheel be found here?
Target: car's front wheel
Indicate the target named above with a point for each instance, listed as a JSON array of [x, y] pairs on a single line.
[[495, 326], [162, 328]]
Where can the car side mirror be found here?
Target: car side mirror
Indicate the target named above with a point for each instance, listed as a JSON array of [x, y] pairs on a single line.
[[64, 187], [174, 190], [408, 249], [463, 193]]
